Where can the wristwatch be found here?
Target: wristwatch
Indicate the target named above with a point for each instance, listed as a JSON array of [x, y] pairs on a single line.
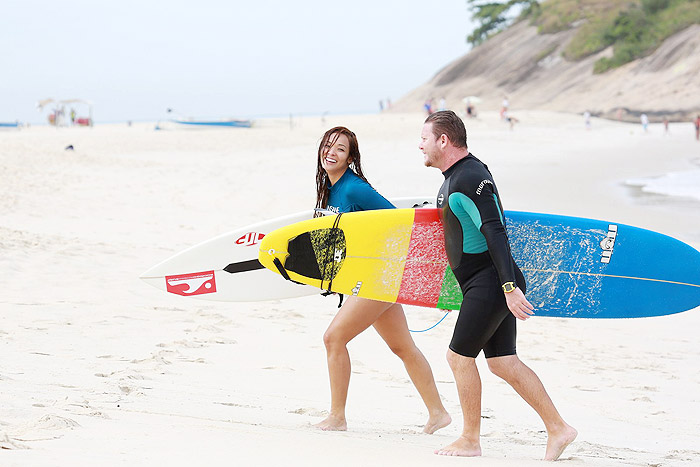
[[508, 287]]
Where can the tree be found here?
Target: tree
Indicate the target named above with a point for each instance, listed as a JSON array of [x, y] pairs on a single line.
[[495, 16]]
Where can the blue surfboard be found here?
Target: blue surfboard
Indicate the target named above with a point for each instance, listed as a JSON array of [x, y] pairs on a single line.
[[577, 267]]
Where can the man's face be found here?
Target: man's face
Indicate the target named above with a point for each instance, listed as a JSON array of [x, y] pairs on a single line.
[[429, 146]]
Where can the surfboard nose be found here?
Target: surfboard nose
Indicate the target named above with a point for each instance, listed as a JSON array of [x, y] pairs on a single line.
[[148, 274], [268, 251]]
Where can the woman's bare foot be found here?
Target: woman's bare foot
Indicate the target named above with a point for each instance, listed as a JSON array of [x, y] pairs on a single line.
[[557, 442], [333, 423], [462, 447], [437, 421]]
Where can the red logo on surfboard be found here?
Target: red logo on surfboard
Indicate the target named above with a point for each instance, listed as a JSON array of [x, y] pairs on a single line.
[[196, 283], [250, 239]]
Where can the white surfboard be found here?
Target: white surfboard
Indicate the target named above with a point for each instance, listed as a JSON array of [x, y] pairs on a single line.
[[226, 268]]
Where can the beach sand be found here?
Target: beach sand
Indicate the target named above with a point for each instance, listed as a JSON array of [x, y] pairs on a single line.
[[98, 368]]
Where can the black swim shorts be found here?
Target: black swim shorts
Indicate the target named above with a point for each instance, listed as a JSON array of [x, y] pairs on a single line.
[[484, 321]]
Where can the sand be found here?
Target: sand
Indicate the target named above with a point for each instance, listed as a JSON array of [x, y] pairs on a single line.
[[98, 368]]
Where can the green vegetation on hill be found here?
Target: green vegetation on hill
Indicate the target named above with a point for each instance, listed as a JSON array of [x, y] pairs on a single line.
[[634, 28], [494, 16], [634, 31]]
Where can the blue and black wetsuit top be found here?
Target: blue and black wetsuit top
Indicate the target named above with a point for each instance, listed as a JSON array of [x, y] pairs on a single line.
[[350, 193], [475, 226], [479, 254]]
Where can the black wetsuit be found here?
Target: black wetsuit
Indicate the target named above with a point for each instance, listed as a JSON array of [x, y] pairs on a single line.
[[479, 254]]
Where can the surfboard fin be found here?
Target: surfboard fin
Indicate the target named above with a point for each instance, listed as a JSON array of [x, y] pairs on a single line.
[[244, 266]]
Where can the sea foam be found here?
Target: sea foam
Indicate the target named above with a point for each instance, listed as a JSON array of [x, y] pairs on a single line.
[[682, 184]]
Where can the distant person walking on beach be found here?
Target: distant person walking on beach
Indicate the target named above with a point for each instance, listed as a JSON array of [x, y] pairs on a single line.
[[493, 286], [587, 119], [471, 110], [428, 105], [511, 120], [697, 128], [341, 187], [645, 121], [504, 107]]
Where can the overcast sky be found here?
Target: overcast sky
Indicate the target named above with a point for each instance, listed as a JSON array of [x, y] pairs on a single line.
[[218, 58]]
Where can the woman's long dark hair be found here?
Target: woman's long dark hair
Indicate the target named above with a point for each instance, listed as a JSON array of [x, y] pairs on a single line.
[[327, 141]]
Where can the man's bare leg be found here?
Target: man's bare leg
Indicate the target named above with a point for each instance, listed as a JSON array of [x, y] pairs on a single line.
[[469, 390], [392, 327], [528, 385]]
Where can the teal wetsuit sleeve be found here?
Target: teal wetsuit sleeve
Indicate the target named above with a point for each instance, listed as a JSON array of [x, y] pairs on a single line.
[[365, 198], [467, 213]]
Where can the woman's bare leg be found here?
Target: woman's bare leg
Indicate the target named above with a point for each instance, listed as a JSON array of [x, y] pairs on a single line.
[[392, 327], [354, 316]]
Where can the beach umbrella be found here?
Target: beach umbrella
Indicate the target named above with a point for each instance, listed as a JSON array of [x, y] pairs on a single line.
[[43, 103]]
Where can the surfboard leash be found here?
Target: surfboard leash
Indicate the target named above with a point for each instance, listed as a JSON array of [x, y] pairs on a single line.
[[434, 325], [335, 236], [331, 246], [283, 272], [285, 275]]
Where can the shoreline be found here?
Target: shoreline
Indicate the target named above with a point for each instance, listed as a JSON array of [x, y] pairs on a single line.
[[629, 116]]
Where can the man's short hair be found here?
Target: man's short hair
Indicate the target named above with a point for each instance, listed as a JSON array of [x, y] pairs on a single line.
[[446, 122]]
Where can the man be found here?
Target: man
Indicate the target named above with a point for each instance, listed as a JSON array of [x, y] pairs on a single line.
[[493, 286]]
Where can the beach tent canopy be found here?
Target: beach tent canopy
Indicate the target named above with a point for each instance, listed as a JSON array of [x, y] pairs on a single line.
[[44, 102], [59, 107]]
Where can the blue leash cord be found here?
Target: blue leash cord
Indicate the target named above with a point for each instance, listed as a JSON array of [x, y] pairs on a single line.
[[431, 327]]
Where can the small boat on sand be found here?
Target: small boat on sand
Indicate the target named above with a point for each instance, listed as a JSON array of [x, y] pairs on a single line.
[[234, 123]]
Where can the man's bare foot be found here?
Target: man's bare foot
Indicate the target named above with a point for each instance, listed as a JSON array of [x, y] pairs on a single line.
[[462, 447], [556, 443], [333, 423], [435, 422]]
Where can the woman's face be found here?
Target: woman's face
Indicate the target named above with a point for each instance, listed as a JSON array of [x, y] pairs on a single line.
[[335, 157]]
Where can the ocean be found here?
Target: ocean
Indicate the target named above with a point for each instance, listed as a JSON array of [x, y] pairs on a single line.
[[685, 184]]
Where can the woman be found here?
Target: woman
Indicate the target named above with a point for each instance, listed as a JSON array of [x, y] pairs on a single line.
[[341, 190]]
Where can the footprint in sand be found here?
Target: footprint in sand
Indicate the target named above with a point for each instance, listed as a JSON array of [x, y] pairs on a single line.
[[244, 406], [683, 455], [8, 443], [310, 412], [44, 428]]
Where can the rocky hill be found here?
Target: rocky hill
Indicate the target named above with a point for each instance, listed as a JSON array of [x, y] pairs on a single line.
[[530, 70]]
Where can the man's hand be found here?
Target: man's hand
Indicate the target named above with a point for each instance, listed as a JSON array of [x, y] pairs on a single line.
[[518, 304]]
